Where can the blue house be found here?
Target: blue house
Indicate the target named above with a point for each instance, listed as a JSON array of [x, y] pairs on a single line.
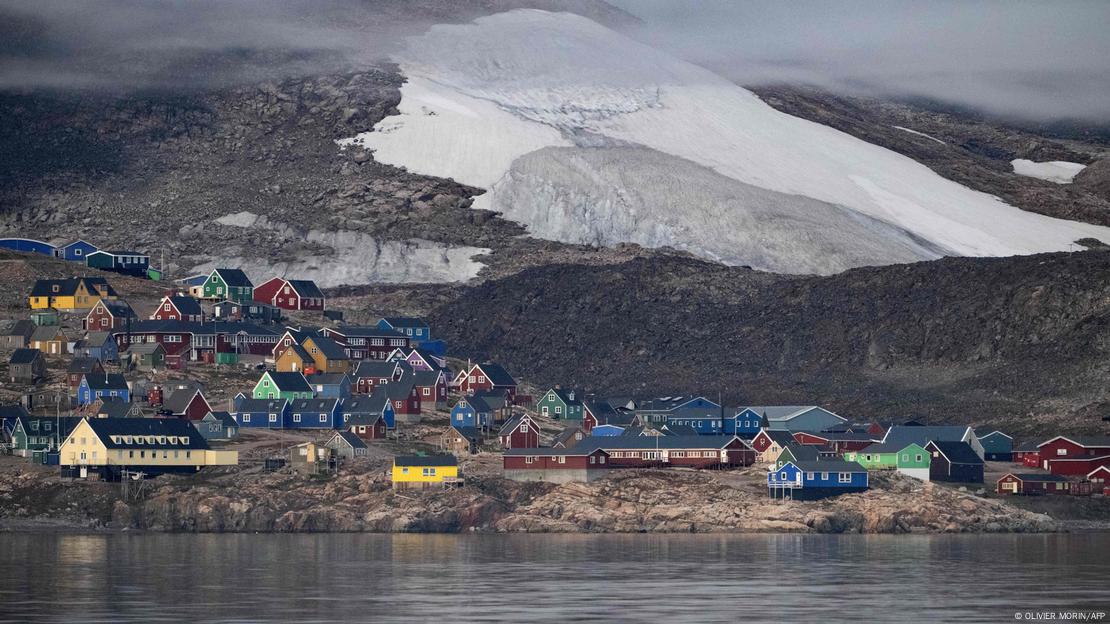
[[745, 423], [811, 480], [98, 346], [472, 412], [362, 410], [658, 411], [414, 328], [997, 446], [96, 385], [126, 262], [314, 414], [330, 385], [76, 251], [260, 413]]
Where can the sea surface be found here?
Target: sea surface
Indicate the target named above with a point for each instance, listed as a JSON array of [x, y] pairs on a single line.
[[551, 578]]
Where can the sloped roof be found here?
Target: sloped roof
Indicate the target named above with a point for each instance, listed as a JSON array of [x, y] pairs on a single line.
[[186, 305], [22, 327], [306, 288], [364, 331], [470, 433], [365, 404], [1029, 476], [313, 406], [46, 333], [289, 382], [327, 379], [477, 403], [146, 433], [110, 381], [328, 347], [567, 434], [234, 277], [803, 452], [427, 378], [375, 369], [829, 465], [24, 356], [224, 417], [180, 399], [684, 430], [653, 442], [494, 399], [497, 374], [118, 308], [351, 439], [144, 348], [779, 436], [425, 460], [1087, 441], [903, 435], [405, 321], [261, 406], [957, 452]]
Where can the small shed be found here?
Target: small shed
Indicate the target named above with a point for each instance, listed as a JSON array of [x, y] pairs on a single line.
[[347, 445], [217, 426], [461, 439], [1032, 484], [26, 366]]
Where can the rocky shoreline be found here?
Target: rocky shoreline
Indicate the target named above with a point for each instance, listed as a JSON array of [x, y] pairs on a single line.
[[633, 501]]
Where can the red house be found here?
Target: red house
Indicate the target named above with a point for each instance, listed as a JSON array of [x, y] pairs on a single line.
[[556, 465], [188, 403], [432, 386], [487, 376], [290, 294], [178, 308], [697, 451], [1074, 455], [838, 443], [371, 374], [1100, 479], [108, 314], [1016, 483], [519, 432], [405, 399], [366, 343]]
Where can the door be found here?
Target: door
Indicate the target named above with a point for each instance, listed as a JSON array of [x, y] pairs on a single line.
[[84, 471]]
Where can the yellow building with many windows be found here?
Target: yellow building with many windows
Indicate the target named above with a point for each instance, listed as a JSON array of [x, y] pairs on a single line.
[[75, 293], [109, 446], [423, 471]]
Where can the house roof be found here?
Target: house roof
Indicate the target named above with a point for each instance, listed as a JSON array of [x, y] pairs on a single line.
[[234, 278], [574, 451], [477, 403], [829, 465], [186, 305], [115, 407], [400, 389], [306, 288], [314, 406], [957, 452], [567, 434], [782, 413], [887, 447], [68, 286], [564, 395], [1027, 447], [328, 347], [779, 436], [366, 405], [179, 400], [425, 460], [405, 321], [24, 356], [224, 417], [684, 430], [991, 435], [144, 348], [427, 378], [46, 333], [362, 331], [150, 433], [903, 435], [261, 406], [109, 381], [653, 442], [289, 382], [375, 369], [601, 410], [22, 327], [351, 439], [117, 307], [327, 379], [849, 436], [1086, 441], [1029, 476], [668, 403], [496, 374], [514, 422], [470, 433], [803, 452], [494, 399]]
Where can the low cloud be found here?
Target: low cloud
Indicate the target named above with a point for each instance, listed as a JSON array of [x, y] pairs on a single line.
[[1034, 60]]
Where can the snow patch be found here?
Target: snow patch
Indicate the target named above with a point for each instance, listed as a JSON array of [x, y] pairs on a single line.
[[481, 96], [920, 134], [1058, 171], [353, 257]]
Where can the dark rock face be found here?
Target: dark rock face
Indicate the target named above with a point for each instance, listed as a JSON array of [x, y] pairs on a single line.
[[962, 148], [988, 341]]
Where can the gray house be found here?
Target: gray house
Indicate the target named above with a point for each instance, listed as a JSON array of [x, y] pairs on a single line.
[[26, 366], [217, 426], [347, 445], [17, 334]]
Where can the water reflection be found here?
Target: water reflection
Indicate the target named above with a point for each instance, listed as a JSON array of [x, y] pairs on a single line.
[[635, 578]]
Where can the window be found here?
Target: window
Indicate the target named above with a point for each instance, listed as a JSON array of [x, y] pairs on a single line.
[[404, 471], [427, 392], [917, 457], [323, 418], [824, 476], [296, 418], [845, 477], [1062, 451], [562, 459], [905, 457], [247, 417], [543, 410], [481, 379], [529, 460], [601, 459], [593, 460], [782, 475]]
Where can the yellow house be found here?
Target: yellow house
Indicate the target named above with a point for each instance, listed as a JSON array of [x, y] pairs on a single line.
[[420, 472], [108, 446], [328, 356], [75, 293], [294, 360]]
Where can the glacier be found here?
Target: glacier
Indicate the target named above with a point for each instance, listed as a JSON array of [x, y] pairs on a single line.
[[540, 107]]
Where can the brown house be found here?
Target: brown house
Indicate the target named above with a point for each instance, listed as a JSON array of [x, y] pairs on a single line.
[[50, 339], [108, 314], [81, 366], [1018, 483], [459, 439], [17, 335], [556, 465], [26, 366]]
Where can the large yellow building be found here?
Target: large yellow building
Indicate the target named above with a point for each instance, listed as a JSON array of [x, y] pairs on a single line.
[[108, 446], [316, 354], [75, 293], [424, 471]]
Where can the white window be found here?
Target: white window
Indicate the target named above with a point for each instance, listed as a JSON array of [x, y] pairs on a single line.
[[601, 459], [824, 476], [246, 417], [845, 477], [562, 459], [812, 476], [524, 428], [481, 379], [323, 418], [1062, 451], [296, 418], [427, 392], [529, 459]]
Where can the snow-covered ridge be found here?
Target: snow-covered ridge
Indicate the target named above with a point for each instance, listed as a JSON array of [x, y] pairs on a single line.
[[1058, 171], [483, 95]]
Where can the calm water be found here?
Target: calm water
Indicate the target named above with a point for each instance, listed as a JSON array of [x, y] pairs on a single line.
[[537, 578]]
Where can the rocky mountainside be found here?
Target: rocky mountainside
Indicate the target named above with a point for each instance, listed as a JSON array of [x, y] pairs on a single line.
[[1016, 342]]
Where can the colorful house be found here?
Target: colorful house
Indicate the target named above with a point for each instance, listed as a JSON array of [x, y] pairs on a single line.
[[486, 376], [419, 359], [230, 284], [366, 343], [369, 418], [1074, 455], [261, 413], [347, 445], [519, 432], [290, 294], [178, 308], [421, 471], [768, 443], [371, 374], [146, 356], [432, 387], [217, 427], [76, 251], [26, 366], [29, 434], [124, 262], [794, 417], [746, 422], [288, 386], [108, 314], [698, 412], [997, 446], [1022, 483], [644, 451], [914, 461], [413, 328], [17, 334], [816, 480], [96, 386], [97, 345], [472, 412], [954, 462], [28, 245], [1100, 479], [561, 404], [50, 339], [901, 435], [457, 439], [555, 465], [314, 414], [878, 456], [76, 293], [570, 437], [188, 403], [796, 453], [111, 447], [330, 385]]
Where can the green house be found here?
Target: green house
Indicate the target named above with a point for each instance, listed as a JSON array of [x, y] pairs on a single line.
[[32, 433], [561, 404], [288, 386], [876, 456], [228, 285], [914, 461]]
